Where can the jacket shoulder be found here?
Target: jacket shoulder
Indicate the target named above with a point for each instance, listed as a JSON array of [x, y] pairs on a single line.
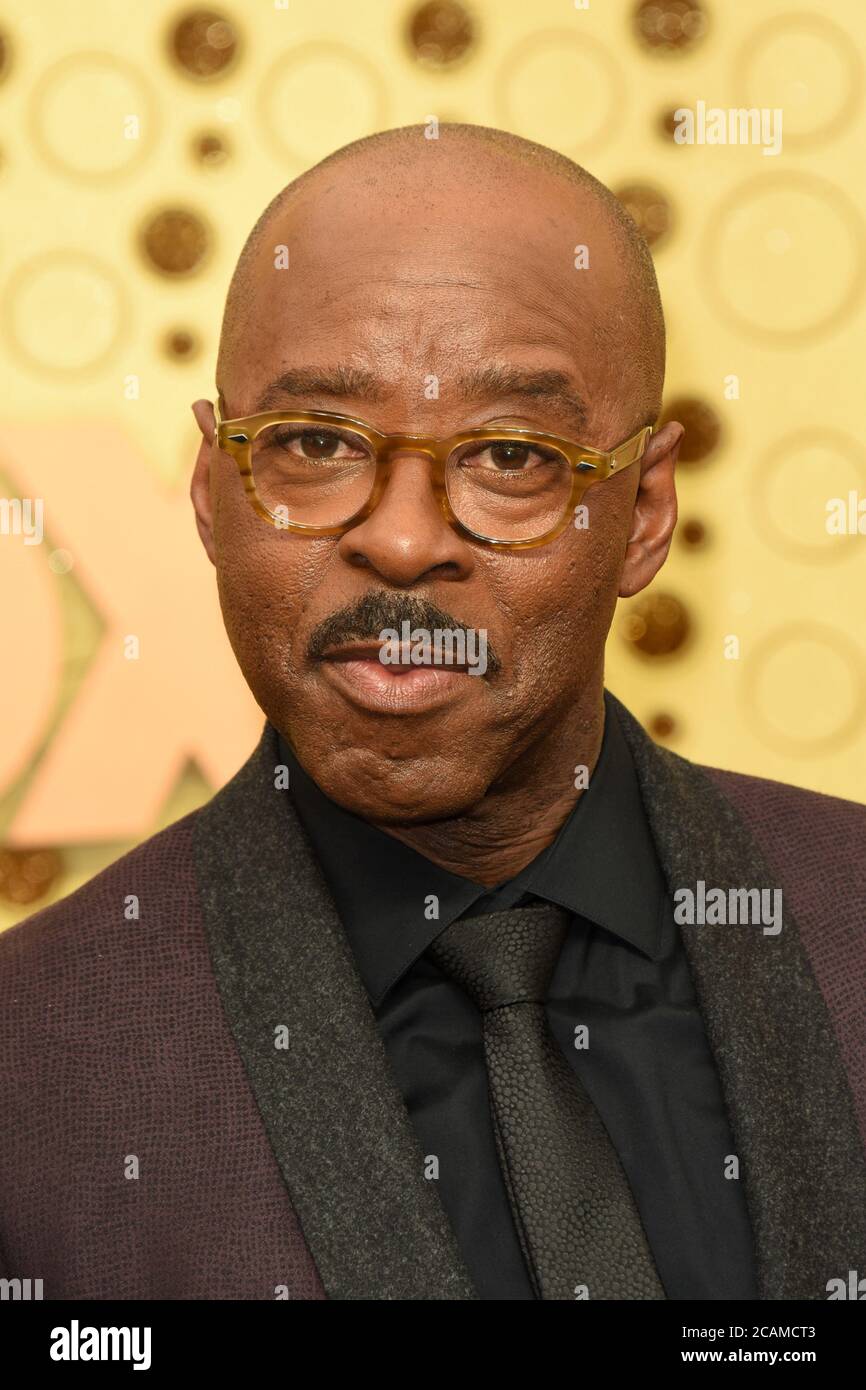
[[109, 968], [815, 845], [158, 873], [780, 809]]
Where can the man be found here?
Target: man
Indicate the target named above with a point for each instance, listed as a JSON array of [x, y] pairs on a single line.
[[461, 988]]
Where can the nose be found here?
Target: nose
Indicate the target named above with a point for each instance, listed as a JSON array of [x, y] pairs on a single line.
[[406, 538]]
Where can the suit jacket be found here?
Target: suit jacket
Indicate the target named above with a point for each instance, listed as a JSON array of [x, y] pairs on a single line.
[[196, 1102]]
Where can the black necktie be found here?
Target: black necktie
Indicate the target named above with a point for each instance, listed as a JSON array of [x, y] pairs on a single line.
[[574, 1211]]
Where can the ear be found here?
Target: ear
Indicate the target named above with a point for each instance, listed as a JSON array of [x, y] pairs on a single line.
[[200, 486], [655, 511]]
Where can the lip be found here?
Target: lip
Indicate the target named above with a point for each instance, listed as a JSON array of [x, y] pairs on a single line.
[[356, 672]]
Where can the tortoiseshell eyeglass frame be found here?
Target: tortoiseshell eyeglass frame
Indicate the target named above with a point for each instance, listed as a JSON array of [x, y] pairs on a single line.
[[588, 465]]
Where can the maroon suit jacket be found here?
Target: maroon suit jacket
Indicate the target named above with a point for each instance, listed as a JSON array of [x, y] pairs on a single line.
[[195, 1102]]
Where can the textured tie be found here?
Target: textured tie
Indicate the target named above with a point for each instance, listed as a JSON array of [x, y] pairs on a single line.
[[573, 1208]]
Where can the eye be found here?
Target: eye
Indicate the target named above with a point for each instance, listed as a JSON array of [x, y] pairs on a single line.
[[310, 442], [508, 456]]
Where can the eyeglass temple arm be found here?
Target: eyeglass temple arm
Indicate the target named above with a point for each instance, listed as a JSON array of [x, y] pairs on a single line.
[[629, 453]]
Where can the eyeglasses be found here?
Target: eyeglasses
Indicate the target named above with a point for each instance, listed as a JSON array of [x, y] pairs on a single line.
[[320, 474]]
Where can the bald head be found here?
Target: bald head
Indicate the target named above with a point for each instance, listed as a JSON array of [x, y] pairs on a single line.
[[406, 186]]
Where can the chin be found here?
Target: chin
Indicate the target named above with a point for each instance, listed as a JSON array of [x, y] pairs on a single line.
[[378, 789]]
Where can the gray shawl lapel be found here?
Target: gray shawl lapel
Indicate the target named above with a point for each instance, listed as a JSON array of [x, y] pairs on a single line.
[[336, 1122], [783, 1079]]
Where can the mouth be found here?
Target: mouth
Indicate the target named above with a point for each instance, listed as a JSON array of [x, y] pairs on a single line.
[[357, 671]]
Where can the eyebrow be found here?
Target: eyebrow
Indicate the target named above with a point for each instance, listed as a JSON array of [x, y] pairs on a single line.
[[321, 381], [552, 387], [493, 381]]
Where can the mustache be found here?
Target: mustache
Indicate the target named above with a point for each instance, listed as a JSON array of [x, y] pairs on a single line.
[[364, 620]]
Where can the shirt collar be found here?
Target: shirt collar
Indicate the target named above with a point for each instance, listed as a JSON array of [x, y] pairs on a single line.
[[602, 866]]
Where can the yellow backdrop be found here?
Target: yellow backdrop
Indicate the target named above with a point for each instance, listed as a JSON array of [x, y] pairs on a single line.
[[139, 144]]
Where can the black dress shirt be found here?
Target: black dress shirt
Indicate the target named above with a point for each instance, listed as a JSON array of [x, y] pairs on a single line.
[[622, 974]]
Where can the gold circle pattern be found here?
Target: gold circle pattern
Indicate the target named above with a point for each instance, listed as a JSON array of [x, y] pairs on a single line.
[[806, 66], [65, 312], [782, 705], [561, 63], [761, 244], [441, 33], [792, 483], [92, 116], [203, 44]]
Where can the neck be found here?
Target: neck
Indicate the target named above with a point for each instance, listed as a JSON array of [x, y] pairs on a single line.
[[520, 815]]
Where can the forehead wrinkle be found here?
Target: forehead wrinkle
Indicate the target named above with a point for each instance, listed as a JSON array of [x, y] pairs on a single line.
[[494, 382]]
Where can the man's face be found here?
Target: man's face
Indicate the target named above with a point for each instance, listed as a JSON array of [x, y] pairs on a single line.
[[413, 281]]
